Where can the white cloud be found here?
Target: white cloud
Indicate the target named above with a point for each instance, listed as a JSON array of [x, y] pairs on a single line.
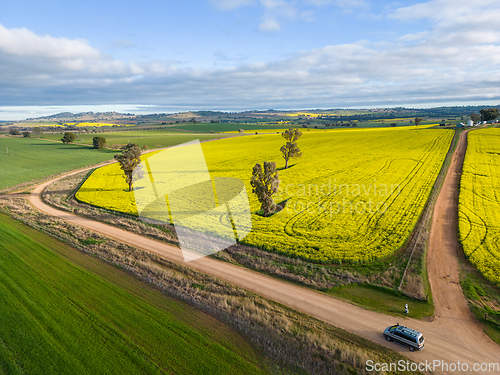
[[23, 42], [413, 37], [440, 10], [269, 25], [285, 8]]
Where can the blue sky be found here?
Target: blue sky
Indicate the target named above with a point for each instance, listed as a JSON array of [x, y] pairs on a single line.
[[169, 56]]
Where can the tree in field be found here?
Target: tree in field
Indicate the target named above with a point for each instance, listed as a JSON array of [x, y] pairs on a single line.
[[68, 137], [489, 114], [14, 131], [129, 160], [37, 130], [265, 183], [475, 117], [26, 134], [98, 142], [418, 120], [241, 131], [394, 124], [290, 150]]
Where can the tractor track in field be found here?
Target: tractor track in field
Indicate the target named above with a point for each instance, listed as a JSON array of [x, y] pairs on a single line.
[[453, 335]]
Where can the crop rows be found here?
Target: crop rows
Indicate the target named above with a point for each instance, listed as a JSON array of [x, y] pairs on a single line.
[[479, 204], [354, 196]]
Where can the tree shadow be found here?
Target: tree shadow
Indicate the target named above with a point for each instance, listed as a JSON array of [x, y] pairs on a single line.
[[283, 168]]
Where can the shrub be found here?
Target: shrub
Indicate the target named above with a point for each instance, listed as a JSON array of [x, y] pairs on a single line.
[[98, 142], [68, 137]]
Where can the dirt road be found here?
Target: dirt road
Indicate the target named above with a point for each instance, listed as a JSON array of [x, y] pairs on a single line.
[[453, 336]]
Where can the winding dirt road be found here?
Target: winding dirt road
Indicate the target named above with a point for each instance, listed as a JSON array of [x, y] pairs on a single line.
[[453, 336]]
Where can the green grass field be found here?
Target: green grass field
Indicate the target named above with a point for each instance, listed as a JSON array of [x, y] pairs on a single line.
[[30, 159], [64, 312], [221, 127], [151, 138]]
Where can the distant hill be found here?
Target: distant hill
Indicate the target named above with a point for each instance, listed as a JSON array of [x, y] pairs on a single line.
[[257, 116], [84, 116]]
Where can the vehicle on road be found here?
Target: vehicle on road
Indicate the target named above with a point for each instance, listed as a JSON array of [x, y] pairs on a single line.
[[405, 336]]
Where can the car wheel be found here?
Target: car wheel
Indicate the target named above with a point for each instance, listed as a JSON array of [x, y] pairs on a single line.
[[388, 338], [412, 348]]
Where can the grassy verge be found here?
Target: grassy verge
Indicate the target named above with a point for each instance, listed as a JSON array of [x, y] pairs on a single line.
[[295, 270], [65, 312], [483, 298], [384, 300]]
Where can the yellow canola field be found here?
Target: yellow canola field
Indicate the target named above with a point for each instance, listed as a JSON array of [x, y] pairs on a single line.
[[479, 203], [354, 196]]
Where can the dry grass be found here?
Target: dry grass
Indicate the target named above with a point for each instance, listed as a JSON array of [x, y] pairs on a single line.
[[317, 276]]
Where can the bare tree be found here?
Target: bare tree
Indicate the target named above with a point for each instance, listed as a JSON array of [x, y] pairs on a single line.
[[475, 117], [129, 160], [265, 183], [290, 150], [37, 130]]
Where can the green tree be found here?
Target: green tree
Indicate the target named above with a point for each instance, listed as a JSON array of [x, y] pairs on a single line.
[[129, 159], [475, 117], [489, 114], [265, 183], [68, 137], [98, 142], [26, 134], [14, 131], [418, 120], [290, 150]]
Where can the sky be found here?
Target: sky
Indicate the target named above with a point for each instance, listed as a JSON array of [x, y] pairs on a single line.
[[169, 56]]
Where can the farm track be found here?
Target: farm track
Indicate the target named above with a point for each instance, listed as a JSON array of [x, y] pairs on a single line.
[[452, 336]]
